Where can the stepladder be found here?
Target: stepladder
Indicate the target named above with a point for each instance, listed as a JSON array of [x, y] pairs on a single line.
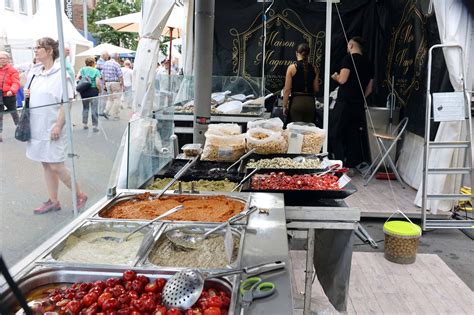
[[450, 109]]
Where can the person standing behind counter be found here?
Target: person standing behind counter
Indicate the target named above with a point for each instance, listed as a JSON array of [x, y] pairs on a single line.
[[302, 81], [48, 144], [347, 124]]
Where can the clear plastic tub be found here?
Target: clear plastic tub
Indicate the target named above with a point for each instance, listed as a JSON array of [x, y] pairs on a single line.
[[191, 149], [401, 241]]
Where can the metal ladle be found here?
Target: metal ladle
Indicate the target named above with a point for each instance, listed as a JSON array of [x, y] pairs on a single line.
[[186, 240], [125, 238], [184, 288]]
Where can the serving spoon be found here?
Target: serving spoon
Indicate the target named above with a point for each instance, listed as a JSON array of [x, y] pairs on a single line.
[[182, 239], [126, 237]]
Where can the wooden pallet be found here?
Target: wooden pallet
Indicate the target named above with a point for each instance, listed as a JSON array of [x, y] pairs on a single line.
[[376, 200], [378, 286]]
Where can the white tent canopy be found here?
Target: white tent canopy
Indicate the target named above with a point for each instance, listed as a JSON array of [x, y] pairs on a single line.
[[44, 24], [109, 48], [21, 35]]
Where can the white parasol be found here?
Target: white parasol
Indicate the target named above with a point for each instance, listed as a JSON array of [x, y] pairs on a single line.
[[99, 49], [124, 23], [131, 23]]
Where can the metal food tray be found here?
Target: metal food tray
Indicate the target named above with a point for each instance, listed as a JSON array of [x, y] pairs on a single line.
[[303, 197], [91, 226], [237, 230], [128, 196], [256, 157], [70, 274], [200, 170]]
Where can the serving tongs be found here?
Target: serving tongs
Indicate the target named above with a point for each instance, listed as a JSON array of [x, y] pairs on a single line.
[[178, 175], [245, 179], [14, 287], [218, 169], [335, 168]]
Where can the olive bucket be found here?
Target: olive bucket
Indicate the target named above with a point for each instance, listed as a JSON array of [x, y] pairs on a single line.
[[401, 240]]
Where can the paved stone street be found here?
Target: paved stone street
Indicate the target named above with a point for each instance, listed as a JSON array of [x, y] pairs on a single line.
[[22, 184]]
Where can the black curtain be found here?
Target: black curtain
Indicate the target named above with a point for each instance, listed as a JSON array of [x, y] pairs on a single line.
[[398, 34]]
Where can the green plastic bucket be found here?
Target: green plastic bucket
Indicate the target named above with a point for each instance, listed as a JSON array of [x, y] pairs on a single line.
[[401, 241]]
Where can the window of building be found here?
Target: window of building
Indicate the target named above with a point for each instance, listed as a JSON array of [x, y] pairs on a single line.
[[35, 6], [23, 7], [9, 4]]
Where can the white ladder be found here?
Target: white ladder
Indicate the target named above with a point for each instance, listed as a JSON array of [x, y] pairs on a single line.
[[466, 144]]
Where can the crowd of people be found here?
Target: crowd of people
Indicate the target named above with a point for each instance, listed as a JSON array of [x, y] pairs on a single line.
[[40, 82]]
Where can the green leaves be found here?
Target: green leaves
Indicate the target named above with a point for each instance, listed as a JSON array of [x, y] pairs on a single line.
[[106, 9]]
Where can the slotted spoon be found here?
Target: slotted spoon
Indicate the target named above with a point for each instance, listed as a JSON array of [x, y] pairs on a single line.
[[184, 288]]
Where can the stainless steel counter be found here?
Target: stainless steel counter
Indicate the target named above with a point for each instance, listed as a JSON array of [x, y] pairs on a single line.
[[269, 243]]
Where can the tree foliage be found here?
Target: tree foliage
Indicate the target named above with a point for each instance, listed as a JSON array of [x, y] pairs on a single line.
[[106, 9]]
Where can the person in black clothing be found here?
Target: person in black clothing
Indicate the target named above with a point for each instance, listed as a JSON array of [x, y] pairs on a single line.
[[348, 139], [302, 81]]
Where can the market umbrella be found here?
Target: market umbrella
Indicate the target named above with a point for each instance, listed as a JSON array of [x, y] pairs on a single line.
[[99, 49], [131, 23], [173, 29], [124, 23]]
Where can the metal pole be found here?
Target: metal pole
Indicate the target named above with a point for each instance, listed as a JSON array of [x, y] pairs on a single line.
[[204, 14], [426, 140], [264, 21], [327, 70], [66, 103], [171, 48], [264, 49], [84, 17], [308, 281]]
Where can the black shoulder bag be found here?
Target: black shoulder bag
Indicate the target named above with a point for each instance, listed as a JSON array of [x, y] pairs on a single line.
[[23, 130], [1, 90]]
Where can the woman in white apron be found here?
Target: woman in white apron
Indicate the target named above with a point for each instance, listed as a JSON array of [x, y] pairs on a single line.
[[48, 137]]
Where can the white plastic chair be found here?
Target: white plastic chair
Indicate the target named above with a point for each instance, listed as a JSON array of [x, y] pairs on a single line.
[[383, 141]]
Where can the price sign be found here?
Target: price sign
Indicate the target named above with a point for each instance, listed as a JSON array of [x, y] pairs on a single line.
[[448, 106]]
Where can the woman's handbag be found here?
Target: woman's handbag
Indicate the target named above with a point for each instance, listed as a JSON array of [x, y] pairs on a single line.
[[1, 90], [84, 84], [23, 130]]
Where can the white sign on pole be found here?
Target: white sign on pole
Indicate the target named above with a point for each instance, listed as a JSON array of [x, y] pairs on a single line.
[[448, 106], [68, 9]]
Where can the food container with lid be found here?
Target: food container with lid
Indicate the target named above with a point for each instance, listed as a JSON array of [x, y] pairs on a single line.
[[401, 241], [191, 149]]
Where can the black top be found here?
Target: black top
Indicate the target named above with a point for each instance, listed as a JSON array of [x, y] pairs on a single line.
[[303, 83], [350, 91]]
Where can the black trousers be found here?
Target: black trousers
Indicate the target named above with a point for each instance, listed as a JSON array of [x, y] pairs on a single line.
[[302, 109], [90, 101], [348, 139], [9, 102]]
